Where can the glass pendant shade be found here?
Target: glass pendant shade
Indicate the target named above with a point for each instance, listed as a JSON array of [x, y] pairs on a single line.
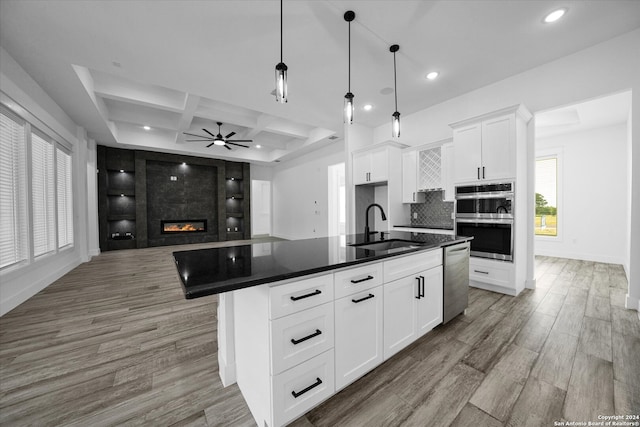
[[395, 125], [348, 108], [281, 82]]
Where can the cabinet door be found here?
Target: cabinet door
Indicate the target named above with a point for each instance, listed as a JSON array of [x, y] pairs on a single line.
[[400, 319], [358, 335], [448, 166], [498, 148], [429, 310], [430, 169], [379, 165], [409, 176], [361, 168], [467, 146]]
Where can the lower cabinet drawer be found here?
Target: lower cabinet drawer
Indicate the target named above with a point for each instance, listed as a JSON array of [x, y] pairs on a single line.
[[301, 336], [403, 266], [299, 295], [357, 279], [302, 387], [492, 272]]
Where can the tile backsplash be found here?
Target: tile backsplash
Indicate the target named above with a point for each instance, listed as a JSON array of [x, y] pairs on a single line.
[[433, 212]]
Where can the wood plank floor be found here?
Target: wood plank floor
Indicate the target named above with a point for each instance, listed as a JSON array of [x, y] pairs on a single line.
[[114, 342]]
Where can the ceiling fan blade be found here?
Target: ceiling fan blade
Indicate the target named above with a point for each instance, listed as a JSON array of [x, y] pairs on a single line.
[[193, 134], [198, 140], [208, 132], [239, 145], [209, 145], [240, 140], [227, 147], [230, 135]]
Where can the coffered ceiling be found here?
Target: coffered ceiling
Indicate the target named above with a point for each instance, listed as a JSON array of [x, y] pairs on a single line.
[[181, 66]]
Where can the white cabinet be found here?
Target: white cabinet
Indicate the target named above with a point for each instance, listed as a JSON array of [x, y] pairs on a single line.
[[485, 147], [448, 166], [430, 166], [412, 307], [371, 166], [410, 178], [358, 335]]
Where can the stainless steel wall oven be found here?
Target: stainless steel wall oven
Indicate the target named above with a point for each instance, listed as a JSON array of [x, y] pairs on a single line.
[[486, 212]]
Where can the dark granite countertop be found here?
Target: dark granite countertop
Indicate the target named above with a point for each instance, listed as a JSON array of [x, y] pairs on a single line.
[[212, 271]]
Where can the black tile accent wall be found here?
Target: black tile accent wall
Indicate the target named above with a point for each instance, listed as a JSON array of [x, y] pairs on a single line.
[[434, 212], [192, 195]]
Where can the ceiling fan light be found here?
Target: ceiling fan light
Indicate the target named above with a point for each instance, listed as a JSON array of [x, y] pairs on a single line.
[[348, 108], [218, 141], [281, 82]]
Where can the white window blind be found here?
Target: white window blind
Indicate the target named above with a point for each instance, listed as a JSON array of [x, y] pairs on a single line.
[[42, 195], [13, 202], [65, 200]]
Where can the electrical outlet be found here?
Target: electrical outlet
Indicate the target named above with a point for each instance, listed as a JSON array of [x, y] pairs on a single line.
[[415, 215]]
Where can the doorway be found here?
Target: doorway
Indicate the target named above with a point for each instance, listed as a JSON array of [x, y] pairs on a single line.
[[583, 185], [260, 208], [337, 211]]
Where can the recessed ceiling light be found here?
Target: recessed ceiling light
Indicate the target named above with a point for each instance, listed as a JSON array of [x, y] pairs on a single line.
[[367, 107], [555, 15], [432, 75], [146, 127]]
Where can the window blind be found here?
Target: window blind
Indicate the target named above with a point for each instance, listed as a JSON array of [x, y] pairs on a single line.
[[42, 195], [13, 202], [65, 200]]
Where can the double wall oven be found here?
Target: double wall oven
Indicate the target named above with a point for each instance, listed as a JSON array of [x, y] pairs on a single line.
[[486, 213]]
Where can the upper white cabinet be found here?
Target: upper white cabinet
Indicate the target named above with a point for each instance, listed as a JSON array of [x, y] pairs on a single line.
[[484, 148], [410, 177], [371, 166], [427, 168]]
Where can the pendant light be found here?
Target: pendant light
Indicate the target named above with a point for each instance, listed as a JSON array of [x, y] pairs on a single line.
[[395, 120], [281, 71], [348, 98]]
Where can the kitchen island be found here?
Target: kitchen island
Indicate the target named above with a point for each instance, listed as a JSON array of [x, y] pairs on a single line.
[[300, 320]]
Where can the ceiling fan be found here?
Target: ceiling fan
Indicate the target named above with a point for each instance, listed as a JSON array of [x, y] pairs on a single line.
[[218, 139]]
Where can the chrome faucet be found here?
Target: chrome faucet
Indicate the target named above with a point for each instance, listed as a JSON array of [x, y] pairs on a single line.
[[366, 220]]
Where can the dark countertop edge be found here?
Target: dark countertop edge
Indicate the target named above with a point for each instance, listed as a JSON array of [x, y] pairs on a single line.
[[428, 227], [208, 289]]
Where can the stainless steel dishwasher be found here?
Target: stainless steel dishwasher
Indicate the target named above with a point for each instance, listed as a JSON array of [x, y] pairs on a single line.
[[456, 280]]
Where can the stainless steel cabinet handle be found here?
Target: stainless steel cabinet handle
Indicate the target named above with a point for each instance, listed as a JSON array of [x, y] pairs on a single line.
[[481, 272]]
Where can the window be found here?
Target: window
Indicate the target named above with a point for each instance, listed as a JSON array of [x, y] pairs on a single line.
[[42, 195], [546, 219], [13, 202], [36, 194], [65, 200]]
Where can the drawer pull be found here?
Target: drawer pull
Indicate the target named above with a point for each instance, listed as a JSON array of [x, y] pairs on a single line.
[[308, 337], [301, 392], [317, 292], [480, 271], [364, 279], [363, 299]]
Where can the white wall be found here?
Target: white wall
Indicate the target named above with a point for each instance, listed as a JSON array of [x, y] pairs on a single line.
[[594, 202], [19, 283], [606, 68], [300, 193]]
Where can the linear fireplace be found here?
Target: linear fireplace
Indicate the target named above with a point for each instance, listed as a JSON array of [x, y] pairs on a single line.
[[183, 226]]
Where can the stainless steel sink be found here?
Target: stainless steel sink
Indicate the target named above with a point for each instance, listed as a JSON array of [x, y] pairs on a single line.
[[386, 245]]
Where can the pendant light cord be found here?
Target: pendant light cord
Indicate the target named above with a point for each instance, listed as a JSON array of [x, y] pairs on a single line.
[[349, 89], [395, 84], [281, 30]]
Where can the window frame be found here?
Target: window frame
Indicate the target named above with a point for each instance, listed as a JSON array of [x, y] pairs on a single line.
[[545, 154], [33, 125]]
